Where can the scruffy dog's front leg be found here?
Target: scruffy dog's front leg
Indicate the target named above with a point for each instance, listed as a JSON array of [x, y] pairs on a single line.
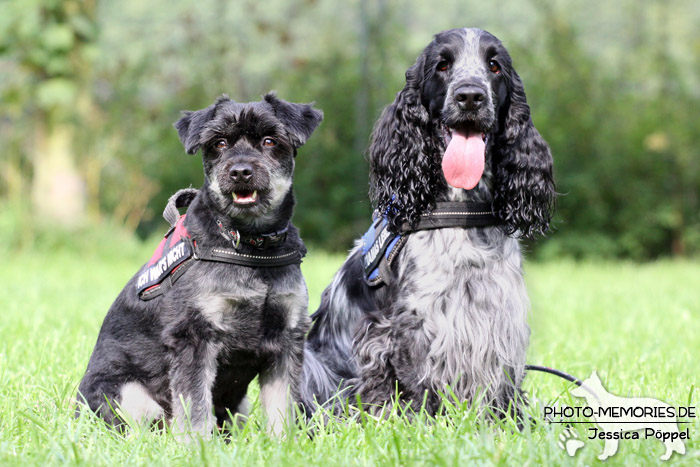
[[279, 383], [192, 375]]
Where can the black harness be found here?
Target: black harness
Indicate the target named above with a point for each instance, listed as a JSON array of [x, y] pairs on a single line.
[[454, 214], [380, 245], [178, 251]]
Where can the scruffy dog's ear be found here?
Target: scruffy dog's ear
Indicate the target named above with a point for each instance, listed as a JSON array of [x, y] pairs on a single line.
[[524, 185], [189, 127], [300, 119], [402, 175]]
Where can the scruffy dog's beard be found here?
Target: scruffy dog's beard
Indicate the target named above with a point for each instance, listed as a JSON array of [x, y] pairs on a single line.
[[251, 204]]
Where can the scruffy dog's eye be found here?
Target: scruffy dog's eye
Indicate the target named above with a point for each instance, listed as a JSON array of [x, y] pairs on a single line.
[[221, 144], [269, 142], [443, 65], [494, 67]]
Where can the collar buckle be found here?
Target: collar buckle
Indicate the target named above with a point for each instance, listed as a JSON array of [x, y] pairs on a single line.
[[260, 241], [233, 236]]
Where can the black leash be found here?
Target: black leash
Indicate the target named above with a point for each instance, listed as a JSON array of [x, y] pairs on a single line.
[[552, 371]]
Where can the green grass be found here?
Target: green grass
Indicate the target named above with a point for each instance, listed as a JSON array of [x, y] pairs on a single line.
[[638, 325]]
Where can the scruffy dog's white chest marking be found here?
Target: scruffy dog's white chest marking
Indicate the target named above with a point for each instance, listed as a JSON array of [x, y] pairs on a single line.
[[466, 289], [226, 308], [221, 307]]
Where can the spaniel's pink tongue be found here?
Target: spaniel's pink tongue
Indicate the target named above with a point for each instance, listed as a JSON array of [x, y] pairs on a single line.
[[463, 162]]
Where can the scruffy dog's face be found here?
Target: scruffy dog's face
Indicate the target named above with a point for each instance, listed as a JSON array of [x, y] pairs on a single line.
[[248, 151]]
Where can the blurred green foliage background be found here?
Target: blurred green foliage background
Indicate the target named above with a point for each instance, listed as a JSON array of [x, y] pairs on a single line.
[[90, 89]]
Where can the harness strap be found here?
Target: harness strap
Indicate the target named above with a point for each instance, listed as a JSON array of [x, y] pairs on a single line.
[[181, 199], [178, 251], [167, 283], [227, 255], [219, 255], [454, 214], [380, 246]]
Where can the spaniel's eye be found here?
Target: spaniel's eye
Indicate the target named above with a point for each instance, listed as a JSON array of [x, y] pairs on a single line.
[[269, 142], [494, 67], [443, 65], [221, 144]]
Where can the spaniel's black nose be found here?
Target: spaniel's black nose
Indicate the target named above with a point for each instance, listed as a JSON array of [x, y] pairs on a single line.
[[469, 97]]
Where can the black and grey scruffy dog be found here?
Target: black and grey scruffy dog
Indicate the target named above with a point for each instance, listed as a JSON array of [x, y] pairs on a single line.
[[223, 299], [434, 295]]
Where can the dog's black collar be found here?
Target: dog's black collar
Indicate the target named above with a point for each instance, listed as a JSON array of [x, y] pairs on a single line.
[[259, 241], [183, 198]]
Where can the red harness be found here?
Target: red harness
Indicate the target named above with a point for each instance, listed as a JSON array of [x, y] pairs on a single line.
[[171, 254], [178, 251], [178, 233]]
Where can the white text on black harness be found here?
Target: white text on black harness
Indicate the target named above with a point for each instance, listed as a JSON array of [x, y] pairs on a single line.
[[171, 258]]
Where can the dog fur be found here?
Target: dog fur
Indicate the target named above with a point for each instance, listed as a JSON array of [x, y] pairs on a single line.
[[189, 355], [455, 313]]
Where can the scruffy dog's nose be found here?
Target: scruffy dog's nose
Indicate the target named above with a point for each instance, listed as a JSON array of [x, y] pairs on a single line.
[[241, 172], [470, 97]]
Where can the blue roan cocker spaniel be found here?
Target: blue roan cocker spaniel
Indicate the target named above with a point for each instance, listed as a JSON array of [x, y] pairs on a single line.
[[448, 307]]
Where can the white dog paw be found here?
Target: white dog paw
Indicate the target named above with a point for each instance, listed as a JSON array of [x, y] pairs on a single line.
[[569, 441]]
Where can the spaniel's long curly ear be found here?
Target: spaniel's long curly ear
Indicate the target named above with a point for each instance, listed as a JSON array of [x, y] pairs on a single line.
[[525, 193], [401, 174]]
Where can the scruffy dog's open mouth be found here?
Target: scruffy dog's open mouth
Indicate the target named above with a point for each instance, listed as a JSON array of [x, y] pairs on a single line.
[[249, 200], [465, 154], [245, 197]]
